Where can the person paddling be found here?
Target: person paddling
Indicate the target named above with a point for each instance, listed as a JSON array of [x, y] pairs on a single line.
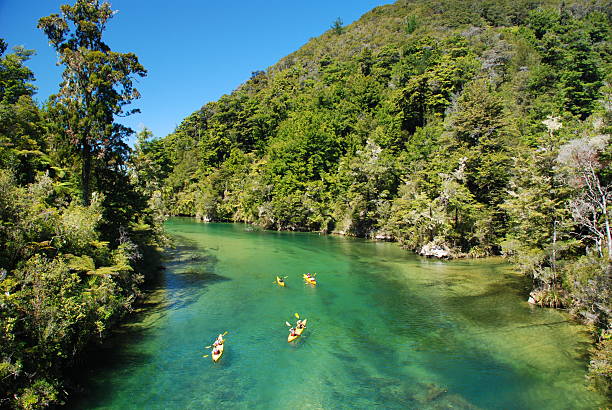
[[219, 341], [300, 324], [292, 332]]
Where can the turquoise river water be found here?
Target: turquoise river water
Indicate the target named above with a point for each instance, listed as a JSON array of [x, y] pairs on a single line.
[[386, 329]]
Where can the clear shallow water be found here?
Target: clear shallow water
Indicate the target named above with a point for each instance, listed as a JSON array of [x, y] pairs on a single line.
[[386, 329]]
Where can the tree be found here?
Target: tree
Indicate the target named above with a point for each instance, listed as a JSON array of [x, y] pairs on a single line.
[[365, 184], [21, 128], [572, 68], [14, 76], [337, 26], [411, 24], [480, 127], [97, 83], [581, 164]]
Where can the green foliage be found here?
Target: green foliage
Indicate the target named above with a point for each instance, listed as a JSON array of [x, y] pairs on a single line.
[[481, 134], [478, 126], [305, 148], [21, 133], [430, 102], [600, 366], [416, 219], [61, 286], [97, 84], [38, 395], [430, 93], [571, 65], [15, 77], [337, 26], [411, 24], [70, 259], [588, 278], [364, 185]]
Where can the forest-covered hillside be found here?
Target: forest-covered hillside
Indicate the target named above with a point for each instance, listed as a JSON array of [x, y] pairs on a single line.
[[470, 128]]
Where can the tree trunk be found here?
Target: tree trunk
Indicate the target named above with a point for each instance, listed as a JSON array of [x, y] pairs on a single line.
[[431, 234], [607, 226], [86, 173], [554, 252]]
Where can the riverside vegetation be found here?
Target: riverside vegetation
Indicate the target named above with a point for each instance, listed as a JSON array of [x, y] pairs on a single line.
[[475, 127], [74, 229]]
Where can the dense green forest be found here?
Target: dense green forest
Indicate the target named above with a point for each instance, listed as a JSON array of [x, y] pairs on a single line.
[[467, 128], [75, 229], [457, 128]]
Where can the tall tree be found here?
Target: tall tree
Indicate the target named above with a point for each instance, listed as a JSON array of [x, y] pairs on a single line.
[[21, 133], [97, 82]]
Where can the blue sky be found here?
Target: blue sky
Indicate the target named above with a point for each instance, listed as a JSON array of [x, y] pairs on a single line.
[[194, 51]]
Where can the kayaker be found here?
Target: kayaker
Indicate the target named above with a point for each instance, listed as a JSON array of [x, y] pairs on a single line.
[[216, 350], [292, 332], [300, 324], [280, 280], [219, 340]]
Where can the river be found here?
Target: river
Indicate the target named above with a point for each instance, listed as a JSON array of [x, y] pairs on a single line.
[[386, 329]]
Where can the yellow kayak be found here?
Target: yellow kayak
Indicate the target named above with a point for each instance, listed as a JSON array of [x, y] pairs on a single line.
[[216, 357], [310, 280], [298, 332], [280, 281]]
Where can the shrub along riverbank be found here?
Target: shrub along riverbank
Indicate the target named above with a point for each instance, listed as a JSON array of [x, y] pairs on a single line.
[[73, 225]]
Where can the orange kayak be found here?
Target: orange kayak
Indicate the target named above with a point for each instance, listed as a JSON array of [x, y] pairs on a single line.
[[298, 333]]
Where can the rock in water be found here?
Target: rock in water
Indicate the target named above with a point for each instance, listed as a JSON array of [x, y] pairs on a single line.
[[434, 250]]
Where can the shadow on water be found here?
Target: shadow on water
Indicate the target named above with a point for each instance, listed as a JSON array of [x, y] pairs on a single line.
[[479, 307], [188, 271]]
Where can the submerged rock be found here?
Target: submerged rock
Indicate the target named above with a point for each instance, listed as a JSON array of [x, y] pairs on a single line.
[[428, 392], [434, 396]]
